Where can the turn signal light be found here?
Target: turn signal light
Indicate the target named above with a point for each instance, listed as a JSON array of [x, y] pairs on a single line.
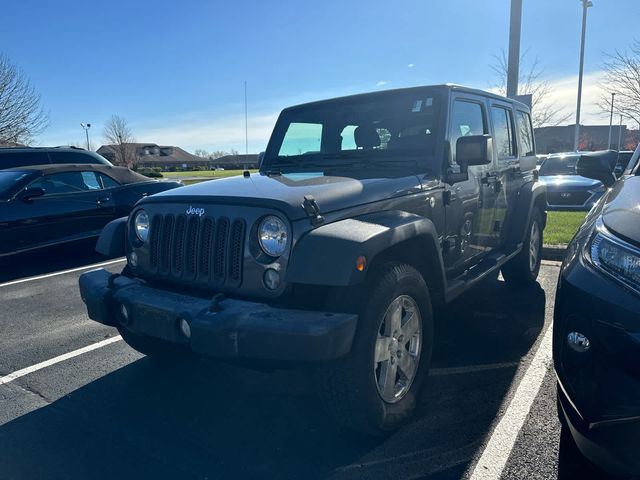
[[361, 263]]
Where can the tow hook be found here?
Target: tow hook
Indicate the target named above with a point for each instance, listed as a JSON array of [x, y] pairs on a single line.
[[215, 302]]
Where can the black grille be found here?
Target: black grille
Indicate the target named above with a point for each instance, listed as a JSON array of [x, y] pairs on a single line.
[[197, 249], [567, 198]]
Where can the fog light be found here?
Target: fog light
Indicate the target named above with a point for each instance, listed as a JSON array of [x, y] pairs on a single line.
[[133, 259], [271, 279], [185, 328], [578, 342]]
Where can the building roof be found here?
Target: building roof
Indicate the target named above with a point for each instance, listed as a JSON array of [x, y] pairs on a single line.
[[152, 152]]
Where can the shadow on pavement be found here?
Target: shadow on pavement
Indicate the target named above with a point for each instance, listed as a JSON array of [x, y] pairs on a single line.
[[53, 259], [200, 419]]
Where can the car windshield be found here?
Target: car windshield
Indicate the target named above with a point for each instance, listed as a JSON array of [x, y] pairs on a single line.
[[559, 166], [392, 130], [8, 180]]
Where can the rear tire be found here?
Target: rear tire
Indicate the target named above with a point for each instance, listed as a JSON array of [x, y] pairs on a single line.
[[374, 388], [523, 269], [154, 348]]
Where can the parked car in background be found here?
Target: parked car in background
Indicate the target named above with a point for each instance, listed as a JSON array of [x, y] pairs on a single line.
[[596, 331], [46, 205], [566, 190], [12, 157]]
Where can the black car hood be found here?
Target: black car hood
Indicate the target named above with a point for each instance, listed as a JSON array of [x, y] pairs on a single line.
[[287, 192], [621, 212]]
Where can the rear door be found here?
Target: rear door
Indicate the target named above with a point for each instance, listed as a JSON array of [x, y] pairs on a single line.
[[74, 206], [505, 176]]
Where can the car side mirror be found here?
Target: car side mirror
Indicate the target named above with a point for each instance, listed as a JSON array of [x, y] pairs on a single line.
[[30, 193], [474, 150], [596, 165]]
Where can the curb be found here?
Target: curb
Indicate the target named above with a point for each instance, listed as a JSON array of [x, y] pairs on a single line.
[[554, 252]]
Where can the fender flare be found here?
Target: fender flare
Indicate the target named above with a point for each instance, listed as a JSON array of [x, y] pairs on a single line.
[[529, 196], [327, 255], [113, 238]]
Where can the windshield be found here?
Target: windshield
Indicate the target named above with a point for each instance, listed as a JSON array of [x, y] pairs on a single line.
[[394, 129], [8, 180], [559, 166]]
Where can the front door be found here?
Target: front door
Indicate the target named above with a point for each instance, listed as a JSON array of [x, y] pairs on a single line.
[[470, 212]]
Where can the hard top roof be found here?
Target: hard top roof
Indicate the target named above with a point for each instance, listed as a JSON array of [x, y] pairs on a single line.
[[441, 87]]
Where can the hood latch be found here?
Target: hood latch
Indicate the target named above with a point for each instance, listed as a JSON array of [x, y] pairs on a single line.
[[312, 210]]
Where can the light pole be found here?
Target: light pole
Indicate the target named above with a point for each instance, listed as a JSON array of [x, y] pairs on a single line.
[[86, 127], [513, 65], [620, 134], [585, 5], [613, 96]]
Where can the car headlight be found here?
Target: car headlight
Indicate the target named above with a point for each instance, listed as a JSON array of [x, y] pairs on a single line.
[[615, 257], [273, 236], [141, 225]]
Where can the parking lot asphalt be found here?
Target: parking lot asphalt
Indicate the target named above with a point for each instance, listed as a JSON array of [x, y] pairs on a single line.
[[112, 413]]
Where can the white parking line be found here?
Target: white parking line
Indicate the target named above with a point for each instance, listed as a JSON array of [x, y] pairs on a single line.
[[61, 358], [497, 451], [63, 272], [439, 372]]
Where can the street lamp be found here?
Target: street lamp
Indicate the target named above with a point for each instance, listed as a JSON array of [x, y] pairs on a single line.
[[613, 96], [585, 5], [86, 127]]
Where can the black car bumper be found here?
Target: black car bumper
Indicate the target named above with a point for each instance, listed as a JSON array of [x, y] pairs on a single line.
[[599, 388], [237, 329]]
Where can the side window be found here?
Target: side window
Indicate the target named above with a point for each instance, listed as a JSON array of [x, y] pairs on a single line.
[[301, 138], [71, 157], [526, 133], [107, 181], [467, 119], [348, 138], [67, 182], [23, 159], [503, 132]]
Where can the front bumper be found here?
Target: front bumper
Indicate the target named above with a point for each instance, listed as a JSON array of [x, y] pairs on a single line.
[[237, 330], [599, 389]]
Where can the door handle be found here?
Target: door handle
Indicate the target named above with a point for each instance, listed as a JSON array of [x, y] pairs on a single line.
[[102, 200]]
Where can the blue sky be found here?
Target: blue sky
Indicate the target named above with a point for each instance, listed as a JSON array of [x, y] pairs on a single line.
[[176, 70]]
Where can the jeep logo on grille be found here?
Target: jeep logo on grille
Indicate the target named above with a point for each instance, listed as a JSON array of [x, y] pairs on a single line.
[[195, 211], [565, 195]]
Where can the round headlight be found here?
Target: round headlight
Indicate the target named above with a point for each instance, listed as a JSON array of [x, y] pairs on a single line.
[[141, 225], [273, 236]]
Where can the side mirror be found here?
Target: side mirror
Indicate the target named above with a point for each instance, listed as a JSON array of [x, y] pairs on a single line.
[[597, 165], [29, 193], [474, 150], [260, 159]]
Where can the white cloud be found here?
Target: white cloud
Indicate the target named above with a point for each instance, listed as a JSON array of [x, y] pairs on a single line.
[[565, 96], [411, 65], [381, 83]]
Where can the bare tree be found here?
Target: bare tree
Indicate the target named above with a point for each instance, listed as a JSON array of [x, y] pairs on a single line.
[[543, 112], [202, 153], [622, 76], [21, 116], [219, 153], [118, 135]]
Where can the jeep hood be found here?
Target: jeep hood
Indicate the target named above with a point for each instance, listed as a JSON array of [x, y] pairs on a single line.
[[286, 192], [621, 212]]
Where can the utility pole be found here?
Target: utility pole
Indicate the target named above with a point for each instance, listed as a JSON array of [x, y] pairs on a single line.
[[86, 127], [585, 5], [513, 66], [613, 96]]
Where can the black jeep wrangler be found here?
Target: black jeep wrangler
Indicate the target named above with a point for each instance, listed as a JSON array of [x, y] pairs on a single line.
[[368, 211]]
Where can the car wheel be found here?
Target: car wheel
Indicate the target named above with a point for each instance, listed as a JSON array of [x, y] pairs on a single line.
[[156, 349], [374, 388], [522, 270]]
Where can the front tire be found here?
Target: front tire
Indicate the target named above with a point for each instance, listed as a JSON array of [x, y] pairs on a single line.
[[523, 269], [374, 388]]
